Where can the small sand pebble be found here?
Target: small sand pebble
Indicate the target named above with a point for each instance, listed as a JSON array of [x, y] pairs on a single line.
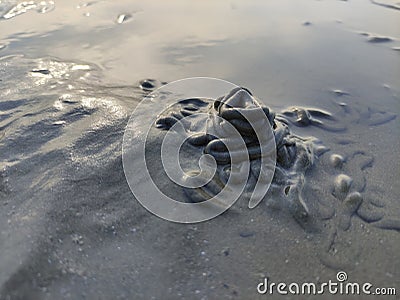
[[353, 201], [342, 185], [225, 251], [123, 18], [336, 160]]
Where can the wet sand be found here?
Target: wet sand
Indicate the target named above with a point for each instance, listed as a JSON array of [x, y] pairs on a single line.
[[69, 224]]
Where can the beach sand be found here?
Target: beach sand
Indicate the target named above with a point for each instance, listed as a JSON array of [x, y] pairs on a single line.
[[70, 226]]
